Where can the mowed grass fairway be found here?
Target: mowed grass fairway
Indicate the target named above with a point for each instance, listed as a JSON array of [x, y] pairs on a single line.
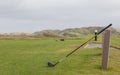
[[30, 57]]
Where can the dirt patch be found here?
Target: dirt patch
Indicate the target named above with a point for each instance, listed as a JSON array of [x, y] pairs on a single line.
[[93, 45]]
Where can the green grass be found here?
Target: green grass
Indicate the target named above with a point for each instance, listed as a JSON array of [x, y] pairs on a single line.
[[30, 57]]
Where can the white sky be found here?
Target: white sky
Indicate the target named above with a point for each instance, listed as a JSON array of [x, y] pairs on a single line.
[[34, 15]]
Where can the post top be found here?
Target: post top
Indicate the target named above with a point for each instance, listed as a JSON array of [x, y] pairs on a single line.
[[96, 31]]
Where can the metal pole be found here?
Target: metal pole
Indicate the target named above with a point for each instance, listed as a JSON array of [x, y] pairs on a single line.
[[96, 35]]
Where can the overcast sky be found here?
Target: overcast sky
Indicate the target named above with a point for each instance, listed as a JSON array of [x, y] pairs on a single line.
[[35, 15]]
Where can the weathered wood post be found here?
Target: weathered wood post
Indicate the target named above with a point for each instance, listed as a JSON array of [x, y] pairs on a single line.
[[105, 48]]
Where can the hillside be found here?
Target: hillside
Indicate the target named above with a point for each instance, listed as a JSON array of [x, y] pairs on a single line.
[[72, 32], [118, 29]]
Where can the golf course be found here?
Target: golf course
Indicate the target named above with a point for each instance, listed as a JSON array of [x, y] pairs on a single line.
[[59, 37], [30, 57]]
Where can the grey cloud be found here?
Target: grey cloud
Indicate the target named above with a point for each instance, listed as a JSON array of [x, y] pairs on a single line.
[[49, 13]]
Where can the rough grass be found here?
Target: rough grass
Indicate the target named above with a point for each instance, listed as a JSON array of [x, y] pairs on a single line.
[[30, 57]]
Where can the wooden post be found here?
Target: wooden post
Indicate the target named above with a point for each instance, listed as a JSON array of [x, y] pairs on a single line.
[[105, 48]]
